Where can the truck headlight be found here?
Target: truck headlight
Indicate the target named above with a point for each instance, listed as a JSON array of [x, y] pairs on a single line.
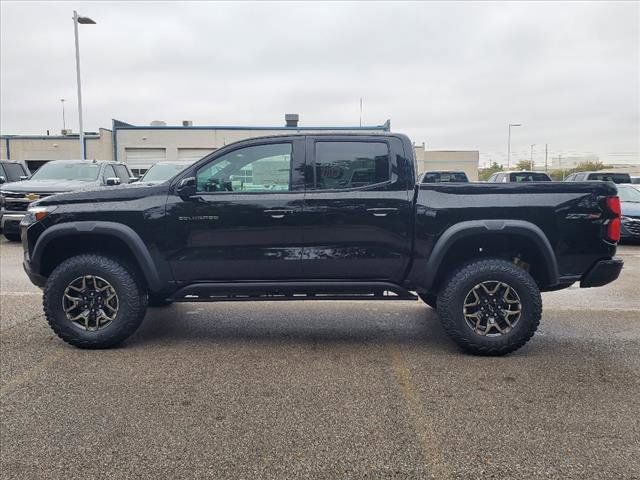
[[37, 213]]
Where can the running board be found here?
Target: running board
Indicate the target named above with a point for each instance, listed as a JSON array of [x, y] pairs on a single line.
[[273, 291]]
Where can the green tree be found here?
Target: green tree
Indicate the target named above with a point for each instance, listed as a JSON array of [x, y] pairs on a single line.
[[485, 173], [557, 175], [523, 165]]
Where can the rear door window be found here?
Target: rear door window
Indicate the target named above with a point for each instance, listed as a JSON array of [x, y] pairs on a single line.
[[529, 177], [342, 165], [611, 177]]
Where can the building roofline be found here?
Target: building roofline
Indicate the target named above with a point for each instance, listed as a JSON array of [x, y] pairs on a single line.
[[381, 128], [74, 136], [119, 125]]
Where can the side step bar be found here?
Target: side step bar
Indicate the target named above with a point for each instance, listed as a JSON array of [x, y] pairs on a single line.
[[252, 291]]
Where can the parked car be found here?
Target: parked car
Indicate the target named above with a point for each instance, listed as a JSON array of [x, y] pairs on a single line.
[[11, 171], [614, 177], [443, 176], [162, 171], [635, 180], [53, 177], [522, 176], [630, 206], [279, 218]]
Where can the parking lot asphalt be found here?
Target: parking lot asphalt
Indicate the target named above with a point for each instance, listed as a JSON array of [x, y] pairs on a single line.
[[322, 390]]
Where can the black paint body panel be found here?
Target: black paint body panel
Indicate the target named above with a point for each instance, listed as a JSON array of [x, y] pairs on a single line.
[[394, 232]]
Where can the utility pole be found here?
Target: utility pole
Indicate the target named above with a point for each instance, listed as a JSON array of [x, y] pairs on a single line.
[[64, 123], [546, 155], [509, 143], [532, 145], [360, 111], [560, 165]]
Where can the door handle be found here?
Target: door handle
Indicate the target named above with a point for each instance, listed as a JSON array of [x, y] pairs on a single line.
[[278, 213], [381, 212]]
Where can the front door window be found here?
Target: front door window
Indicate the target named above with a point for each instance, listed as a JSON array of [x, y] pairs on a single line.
[[259, 168]]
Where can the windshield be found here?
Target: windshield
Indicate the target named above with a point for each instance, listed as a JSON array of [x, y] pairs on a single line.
[[83, 172], [161, 172], [629, 194]]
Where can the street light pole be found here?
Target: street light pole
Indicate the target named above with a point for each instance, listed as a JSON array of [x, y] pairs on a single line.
[[64, 123], [509, 143], [532, 145], [76, 20]]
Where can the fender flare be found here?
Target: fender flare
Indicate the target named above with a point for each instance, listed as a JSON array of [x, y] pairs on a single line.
[[118, 230], [426, 277]]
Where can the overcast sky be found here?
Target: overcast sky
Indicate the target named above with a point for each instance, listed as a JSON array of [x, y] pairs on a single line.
[[452, 75]]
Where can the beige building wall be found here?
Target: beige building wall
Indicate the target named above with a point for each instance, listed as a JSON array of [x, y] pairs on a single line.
[[467, 161], [57, 147], [174, 140]]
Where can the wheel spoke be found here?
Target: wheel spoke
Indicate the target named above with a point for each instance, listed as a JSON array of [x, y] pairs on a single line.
[[492, 308], [90, 302]]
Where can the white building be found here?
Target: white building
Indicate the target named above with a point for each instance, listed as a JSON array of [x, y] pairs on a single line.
[[466, 161]]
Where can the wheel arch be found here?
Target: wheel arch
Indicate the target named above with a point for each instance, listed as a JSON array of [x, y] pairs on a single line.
[[111, 233], [428, 273]]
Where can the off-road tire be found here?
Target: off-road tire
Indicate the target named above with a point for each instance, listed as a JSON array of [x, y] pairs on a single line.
[[455, 289], [12, 237], [132, 301], [430, 299]]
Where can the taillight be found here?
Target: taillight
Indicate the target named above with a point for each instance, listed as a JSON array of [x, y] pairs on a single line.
[[613, 204], [613, 227]]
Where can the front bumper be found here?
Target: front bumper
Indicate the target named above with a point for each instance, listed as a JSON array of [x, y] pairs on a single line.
[[10, 222], [602, 272], [630, 228], [37, 279]]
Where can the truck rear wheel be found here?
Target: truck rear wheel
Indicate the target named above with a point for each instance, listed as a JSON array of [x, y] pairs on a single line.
[[490, 307], [93, 301]]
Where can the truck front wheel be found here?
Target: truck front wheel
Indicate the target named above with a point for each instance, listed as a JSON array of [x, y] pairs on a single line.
[[93, 301], [490, 307], [430, 299]]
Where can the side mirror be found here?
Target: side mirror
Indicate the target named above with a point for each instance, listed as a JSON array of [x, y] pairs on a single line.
[[133, 179], [2, 180], [24, 177], [187, 187], [111, 181]]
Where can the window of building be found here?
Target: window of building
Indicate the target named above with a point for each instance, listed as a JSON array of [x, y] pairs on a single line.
[[350, 164], [259, 168]]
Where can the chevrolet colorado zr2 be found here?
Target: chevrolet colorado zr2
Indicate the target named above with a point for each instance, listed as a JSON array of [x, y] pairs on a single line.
[[319, 217]]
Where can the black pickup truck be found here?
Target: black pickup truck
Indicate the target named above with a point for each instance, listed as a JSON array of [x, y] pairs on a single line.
[[319, 217]]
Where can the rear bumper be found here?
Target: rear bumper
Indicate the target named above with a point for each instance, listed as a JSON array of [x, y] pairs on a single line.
[[602, 272]]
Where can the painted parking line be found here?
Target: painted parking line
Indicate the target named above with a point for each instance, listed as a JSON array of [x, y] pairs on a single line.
[[422, 426]]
